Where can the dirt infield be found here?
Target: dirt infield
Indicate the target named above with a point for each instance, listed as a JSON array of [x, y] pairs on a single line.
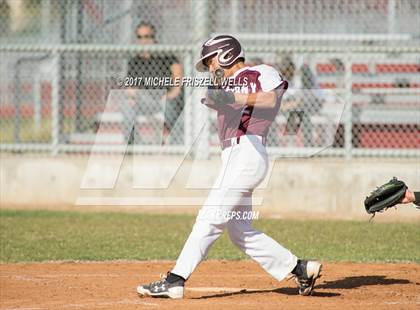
[[215, 285]]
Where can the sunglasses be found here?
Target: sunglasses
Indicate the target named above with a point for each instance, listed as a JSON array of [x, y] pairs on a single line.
[[147, 36]]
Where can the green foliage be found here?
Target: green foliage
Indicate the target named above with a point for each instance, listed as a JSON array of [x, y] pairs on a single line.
[[47, 235]]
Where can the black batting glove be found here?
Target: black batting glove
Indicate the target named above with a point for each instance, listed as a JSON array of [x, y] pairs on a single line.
[[220, 96]]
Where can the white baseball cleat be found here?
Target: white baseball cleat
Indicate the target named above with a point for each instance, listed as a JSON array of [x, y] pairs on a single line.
[[306, 273], [162, 288]]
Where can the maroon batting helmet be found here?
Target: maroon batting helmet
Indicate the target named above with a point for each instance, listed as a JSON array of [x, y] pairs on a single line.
[[225, 47]]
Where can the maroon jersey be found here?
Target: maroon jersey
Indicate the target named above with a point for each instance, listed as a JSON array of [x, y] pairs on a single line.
[[235, 120]]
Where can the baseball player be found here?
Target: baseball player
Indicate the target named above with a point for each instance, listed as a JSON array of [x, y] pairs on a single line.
[[246, 105]]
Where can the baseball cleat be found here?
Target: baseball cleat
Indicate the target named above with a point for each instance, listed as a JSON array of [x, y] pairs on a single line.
[[162, 288], [306, 273]]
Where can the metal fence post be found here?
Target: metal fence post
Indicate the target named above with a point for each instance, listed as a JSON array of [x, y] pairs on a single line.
[[235, 13], [79, 67], [17, 95], [201, 21], [55, 110], [391, 16], [37, 100], [188, 111], [348, 110]]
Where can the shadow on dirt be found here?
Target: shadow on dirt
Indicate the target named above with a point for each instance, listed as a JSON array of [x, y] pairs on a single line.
[[354, 282], [345, 283], [283, 290]]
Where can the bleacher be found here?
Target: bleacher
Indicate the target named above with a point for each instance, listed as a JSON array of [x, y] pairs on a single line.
[[386, 104]]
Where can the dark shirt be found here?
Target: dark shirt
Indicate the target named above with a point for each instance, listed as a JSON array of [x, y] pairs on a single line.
[[417, 198], [155, 66]]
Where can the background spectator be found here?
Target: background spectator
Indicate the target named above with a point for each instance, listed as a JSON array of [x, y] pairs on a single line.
[[153, 65]]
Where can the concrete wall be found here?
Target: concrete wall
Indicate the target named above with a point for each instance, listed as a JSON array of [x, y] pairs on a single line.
[[297, 188]]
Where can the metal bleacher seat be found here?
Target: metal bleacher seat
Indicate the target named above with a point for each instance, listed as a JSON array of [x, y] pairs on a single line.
[[385, 98]]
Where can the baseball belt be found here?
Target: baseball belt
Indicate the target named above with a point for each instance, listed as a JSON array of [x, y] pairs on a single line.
[[236, 140]]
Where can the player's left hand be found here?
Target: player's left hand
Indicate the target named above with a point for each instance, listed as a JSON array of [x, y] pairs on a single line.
[[408, 197], [220, 96]]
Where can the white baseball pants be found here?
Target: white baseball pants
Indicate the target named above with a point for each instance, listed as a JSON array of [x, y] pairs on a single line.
[[244, 167]]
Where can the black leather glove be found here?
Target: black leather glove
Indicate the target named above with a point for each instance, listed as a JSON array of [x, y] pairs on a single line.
[[385, 196], [220, 96]]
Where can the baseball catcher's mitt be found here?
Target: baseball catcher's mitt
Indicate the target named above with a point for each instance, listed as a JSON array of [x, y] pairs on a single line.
[[385, 196]]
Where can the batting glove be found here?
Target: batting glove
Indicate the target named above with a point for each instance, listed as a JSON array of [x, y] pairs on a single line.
[[220, 96]]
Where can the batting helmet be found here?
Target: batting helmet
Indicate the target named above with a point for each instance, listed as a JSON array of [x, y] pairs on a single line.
[[225, 47]]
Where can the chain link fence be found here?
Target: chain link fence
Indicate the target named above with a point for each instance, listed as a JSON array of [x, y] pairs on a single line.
[[70, 69]]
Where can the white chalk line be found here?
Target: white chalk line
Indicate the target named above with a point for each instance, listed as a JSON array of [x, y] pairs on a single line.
[[62, 275], [42, 277], [111, 303], [400, 302], [26, 278], [22, 308]]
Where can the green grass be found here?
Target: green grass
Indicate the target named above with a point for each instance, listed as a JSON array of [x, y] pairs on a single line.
[[47, 235]]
